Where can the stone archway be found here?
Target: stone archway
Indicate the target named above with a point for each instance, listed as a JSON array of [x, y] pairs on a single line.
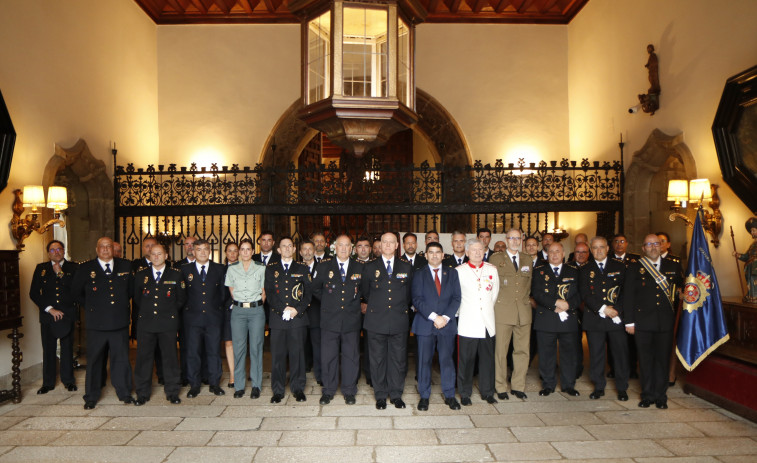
[[663, 157]]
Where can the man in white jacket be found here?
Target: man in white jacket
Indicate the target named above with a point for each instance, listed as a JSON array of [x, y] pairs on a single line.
[[479, 284]]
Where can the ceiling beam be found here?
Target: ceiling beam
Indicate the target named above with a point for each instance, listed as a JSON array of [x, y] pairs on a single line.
[[453, 5]]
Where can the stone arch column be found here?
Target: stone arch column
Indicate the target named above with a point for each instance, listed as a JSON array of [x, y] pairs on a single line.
[[663, 157]]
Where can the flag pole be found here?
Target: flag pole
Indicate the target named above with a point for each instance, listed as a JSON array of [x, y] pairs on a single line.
[[738, 267]]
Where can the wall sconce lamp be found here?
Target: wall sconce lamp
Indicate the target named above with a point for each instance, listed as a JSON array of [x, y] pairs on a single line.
[[557, 233], [34, 196], [699, 190]]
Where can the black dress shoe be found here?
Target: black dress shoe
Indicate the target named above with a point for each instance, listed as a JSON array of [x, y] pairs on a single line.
[[503, 396], [423, 405], [161, 381], [230, 385], [239, 394], [44, 390], [452, 403], [519, 394], [369, 382], [645, 403], [571, 391], [661, 404], [349, 399], [381, 404], [465, 401], [320, 383], [398, 403], [174, 399], [71, 387], [325, 399], [217, 390], [673, 383], [277, 398], [89, 405], [299, 396], [634, 375], [490, 399], [597, 394], [140, 401], [206, 382], [622, 396], [610, 374], [546, 391], [193, 391], [128, 400], [255, 393], [184, 382]]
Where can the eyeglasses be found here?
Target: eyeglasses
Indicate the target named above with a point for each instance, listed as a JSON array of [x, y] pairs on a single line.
[[56, 250], [514, 238], [652, 245]]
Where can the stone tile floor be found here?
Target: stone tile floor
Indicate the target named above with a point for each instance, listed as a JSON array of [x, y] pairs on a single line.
[[55, 427]]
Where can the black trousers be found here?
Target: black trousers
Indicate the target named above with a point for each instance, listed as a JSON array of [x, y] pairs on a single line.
[[117, 343], [617, 341], [339, 348], [548, 341], [388, 364], [288, 344], [654, 362], [49, 360], [314, 349], [149, 346], [209, 338], [467, 350]]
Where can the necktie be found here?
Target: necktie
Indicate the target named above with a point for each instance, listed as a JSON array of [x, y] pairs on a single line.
[[107, 269], [437, 282], [318, 260], [203, 273], [286, 268], [341, 271], [263, 258], [557, 271], [601, 268], [157, 277], [459, 262], [515, 263], [389, 267]]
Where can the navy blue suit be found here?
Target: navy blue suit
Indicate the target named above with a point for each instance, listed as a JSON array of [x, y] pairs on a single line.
[[427, 301]]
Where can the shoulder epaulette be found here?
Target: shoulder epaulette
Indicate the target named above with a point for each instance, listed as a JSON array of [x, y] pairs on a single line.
[[571, 265], [235, 263], [271, 263]]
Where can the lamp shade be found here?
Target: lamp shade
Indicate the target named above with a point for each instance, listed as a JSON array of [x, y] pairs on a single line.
[[700, 188], [34, 196], [57, 198], [678, 190]]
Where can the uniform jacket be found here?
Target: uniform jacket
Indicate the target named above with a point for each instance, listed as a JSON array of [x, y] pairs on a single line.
[[291, 288], [48, 289], [339, 301], [513, 306], [106, 298], [427, 301], [599, 289], [159, 303], [627, 259], [275, 257], [644, 303], [451, 261], [418, 262], [206, 301], [314, 309], [546, 289], [389, 298], [180, 263], [476, 314], [140, 263]]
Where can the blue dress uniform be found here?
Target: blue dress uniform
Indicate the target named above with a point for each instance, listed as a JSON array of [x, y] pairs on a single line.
[[546, 289], [49, 289], [288, 287], [160, 303], [601, 287], [653, 313], [203, 318], [106, 298], [313, 347], [387, 323], [341, 319]]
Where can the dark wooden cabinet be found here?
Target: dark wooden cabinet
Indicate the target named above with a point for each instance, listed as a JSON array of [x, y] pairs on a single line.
[[10, 318]]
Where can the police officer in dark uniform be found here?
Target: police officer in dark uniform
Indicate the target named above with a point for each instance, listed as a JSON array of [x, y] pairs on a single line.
[[203, 317], [51, 291], [104, 287], [619, 251], [337, 284], [649, 302], [287, 289], [601, 284], [137, 265], [363, 255], [387, 284], [160, 293], [554, 287], [313, 343]]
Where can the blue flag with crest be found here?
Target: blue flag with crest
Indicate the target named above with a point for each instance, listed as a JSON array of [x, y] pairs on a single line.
[[702, 328]]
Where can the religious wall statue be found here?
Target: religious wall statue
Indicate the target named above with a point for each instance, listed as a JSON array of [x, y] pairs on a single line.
[[750, 259], [650, 102]]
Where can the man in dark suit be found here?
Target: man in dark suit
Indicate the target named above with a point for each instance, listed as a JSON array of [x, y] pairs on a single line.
[[144, 261], [321, 247], [458, 256], [554, 287], [579, 260], [189, 258], [386, 284], [649, 301], [104, 287], [337, 284], [51, 292], [137, 265], [410, 245], [313, 343], [177, 264], [601, 283], [619, 247], [542, 258], [363, 254], [287, 289], [485, 236], [203, 317], [436, 297], [267, 253], [160, 292]]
